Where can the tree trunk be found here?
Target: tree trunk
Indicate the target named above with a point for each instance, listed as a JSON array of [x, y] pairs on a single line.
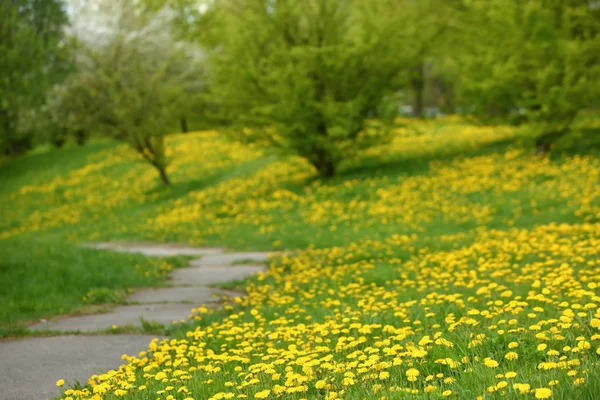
[[6, 132], [544, 142], [184, 126], [80, 137], [58, 142], [322, 159], [326, 168], [19, 146], [323, 162], [444, 95], [163, 176], [418, 86]]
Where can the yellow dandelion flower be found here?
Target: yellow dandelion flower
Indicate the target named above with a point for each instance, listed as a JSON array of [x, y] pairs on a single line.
[[543, 393], [263, 394], [522, 387], [412, 373], [321, 384], [488, 362]]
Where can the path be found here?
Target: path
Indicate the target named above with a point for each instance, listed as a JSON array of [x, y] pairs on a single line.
[[29, 368]]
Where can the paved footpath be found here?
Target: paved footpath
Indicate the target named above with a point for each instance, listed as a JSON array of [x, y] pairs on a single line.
[[29, 368]]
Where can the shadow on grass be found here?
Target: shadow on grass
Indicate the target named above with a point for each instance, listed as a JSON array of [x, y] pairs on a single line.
[[181, 188], [49, 163], [415, 164], [585, 141]]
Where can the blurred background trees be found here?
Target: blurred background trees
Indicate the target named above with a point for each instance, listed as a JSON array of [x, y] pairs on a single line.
[[321, 79], [537, 63], [33, 55], [134, 77]]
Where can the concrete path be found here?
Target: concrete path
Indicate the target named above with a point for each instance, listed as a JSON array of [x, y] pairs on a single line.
[[29, 368]]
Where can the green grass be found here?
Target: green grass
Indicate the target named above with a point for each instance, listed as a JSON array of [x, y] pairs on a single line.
[[47, 263], [43, 278], [424, 199]]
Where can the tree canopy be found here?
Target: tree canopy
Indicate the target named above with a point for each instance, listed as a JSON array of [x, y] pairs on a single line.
[[135, 78], [304, 76], [536, 62], [34, 56]]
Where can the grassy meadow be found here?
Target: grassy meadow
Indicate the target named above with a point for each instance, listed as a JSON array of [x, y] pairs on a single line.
[[452, 262]]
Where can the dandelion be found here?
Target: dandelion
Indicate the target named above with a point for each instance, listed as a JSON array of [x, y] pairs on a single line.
[[543, 393], [412, 374], [488, 362], [262, 394], [522, 387]]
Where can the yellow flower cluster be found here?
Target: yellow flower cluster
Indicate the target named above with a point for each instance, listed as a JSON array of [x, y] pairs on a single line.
[[501, 188], [112, 180], [471, 277], [514, 311]]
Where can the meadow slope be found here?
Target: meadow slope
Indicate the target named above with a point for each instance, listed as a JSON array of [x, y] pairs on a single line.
[[451, 263]]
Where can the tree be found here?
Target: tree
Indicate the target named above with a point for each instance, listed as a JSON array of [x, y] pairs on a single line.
[[534, 62], [428, 27], [303, 76], [33, 57], [134, 77]]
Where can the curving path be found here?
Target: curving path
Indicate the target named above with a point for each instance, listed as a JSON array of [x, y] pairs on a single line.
[[29, 368]]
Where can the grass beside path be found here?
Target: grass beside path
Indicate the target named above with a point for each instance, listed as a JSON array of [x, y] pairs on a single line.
[[44, 278]]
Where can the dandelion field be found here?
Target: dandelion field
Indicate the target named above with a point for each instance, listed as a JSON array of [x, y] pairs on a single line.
[[452, 264]]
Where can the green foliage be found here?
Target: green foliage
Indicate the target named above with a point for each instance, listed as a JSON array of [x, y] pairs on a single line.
[[429, 29], [134, 80], [536, 62], [34, 56], [304, 76]]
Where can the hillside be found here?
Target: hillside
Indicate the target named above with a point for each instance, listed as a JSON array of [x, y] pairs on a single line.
[[452, 262]]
